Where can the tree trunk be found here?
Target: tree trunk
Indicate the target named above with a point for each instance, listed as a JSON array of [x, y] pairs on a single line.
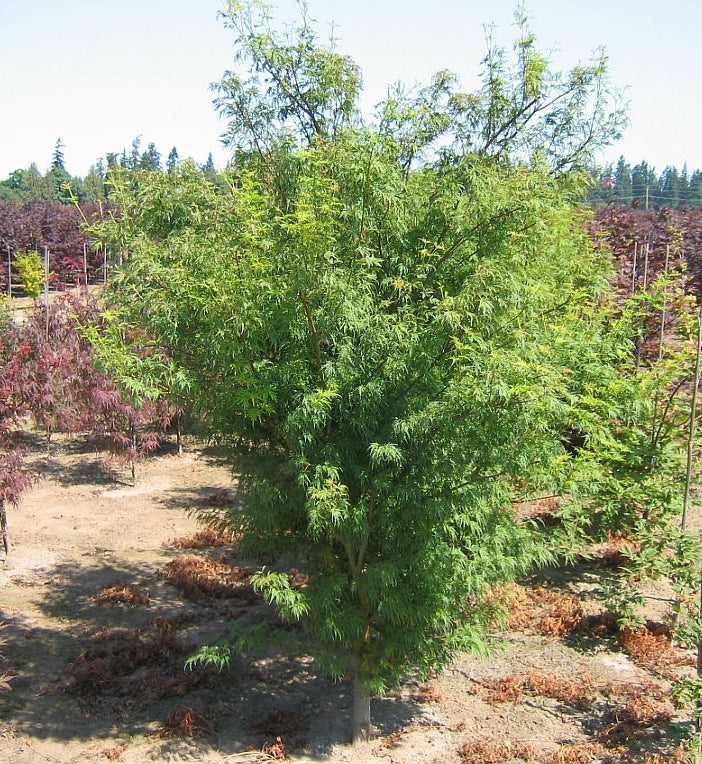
[[179, 432], [3, 527], [361, 711], [133, 436]]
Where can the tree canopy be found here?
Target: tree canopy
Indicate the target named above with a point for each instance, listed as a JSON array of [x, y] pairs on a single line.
[[388, 321]]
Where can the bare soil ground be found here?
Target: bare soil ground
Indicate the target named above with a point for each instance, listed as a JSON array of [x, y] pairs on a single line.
[[108, 588]]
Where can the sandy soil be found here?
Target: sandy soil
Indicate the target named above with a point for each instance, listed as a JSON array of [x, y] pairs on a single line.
[[81, 536]]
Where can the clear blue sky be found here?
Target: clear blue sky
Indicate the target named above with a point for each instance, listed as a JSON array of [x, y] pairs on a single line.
[[97, 74]]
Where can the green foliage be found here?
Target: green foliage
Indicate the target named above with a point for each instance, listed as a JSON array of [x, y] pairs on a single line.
[[689, 691], [627, 478], [137, 366], [219, 656], [631, 461], [294, 88], [31, 272], [388, 324], [278, 591]]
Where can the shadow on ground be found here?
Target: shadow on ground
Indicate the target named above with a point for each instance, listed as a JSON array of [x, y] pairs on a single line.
[[88, 670]]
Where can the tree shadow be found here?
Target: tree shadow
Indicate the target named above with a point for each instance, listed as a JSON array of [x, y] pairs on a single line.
[[203, 501], [86, 472], [88, 670]]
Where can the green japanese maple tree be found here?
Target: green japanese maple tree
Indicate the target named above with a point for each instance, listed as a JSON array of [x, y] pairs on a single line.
[[374, 319]]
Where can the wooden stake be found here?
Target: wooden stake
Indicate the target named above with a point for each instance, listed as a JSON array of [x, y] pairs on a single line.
[[693, 422], [46, 277], [633, 270], [4, 532], [664, 309], [698, 708], [46, 290]]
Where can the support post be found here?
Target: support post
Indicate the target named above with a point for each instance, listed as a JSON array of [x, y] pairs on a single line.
[[693, 420]]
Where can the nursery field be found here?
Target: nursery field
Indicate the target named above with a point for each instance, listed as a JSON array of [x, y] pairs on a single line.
[[407, 331], [108, 588]]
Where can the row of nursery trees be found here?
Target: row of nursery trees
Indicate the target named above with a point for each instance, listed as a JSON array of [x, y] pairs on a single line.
[[28, 232], [400, 329], [32, 231], [50, 374]]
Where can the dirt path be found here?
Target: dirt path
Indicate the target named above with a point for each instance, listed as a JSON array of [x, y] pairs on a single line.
[[97, 633]]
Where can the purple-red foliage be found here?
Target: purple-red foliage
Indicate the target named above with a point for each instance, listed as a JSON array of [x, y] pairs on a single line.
[[64, 389], [59, 227], [57, 367], [678, 231], [48, 371], [14, 406]]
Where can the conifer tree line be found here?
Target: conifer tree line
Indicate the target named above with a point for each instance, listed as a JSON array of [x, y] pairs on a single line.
[[621, 184], [643, 187], [58, 185]]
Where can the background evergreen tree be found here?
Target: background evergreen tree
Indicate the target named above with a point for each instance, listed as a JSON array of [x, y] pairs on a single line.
[[172, 160], [95, 183], [670, 187], [57, 159], [11, 188], [622, 182], [695, 189], [34, 187], [150, 159], [643, 180], [684, 187], [58, 177]]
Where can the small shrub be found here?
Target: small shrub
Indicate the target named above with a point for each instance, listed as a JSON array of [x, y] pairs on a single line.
[[577, 753], [283, 725], [602, 624], [277, 751], [113, 655], [506, 689], [174, 623], [428, 693], [616, 550], [112, 754], [651, 647], [31, 272], [577, 693], [628, 720], [563, 617], [538, 610]]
